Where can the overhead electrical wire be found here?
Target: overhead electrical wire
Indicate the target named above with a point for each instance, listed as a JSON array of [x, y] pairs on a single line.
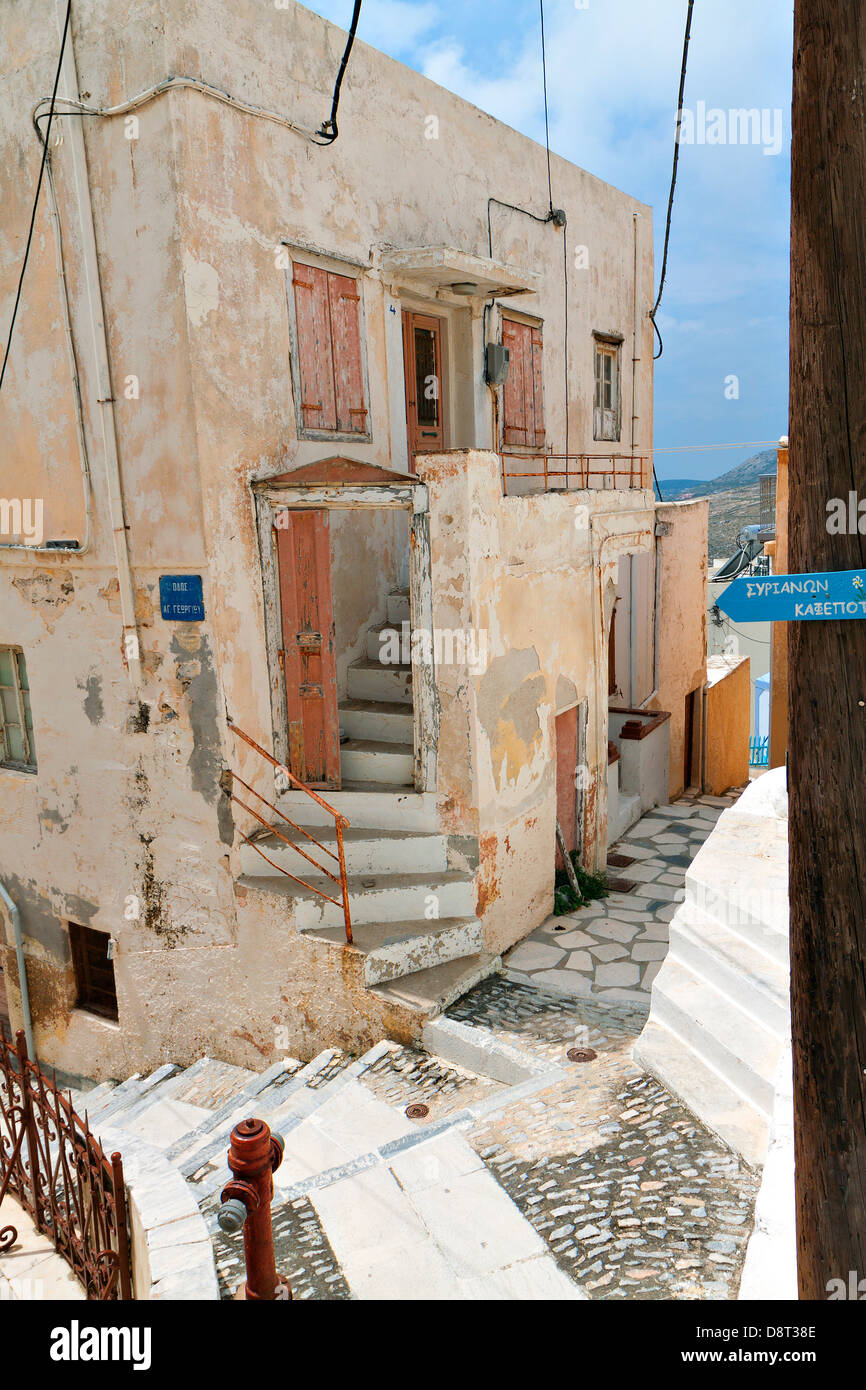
[[42, 164], [673, 177], [328, 130]]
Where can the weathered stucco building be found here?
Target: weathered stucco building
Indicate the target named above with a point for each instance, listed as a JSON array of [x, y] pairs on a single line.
[[273, 364]]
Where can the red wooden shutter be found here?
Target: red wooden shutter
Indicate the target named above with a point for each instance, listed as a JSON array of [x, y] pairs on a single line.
[[315, 353], [345, 302], [535, 427], [515, 336]]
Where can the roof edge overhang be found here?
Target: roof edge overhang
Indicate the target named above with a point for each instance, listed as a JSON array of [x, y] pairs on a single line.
[[336, 472]]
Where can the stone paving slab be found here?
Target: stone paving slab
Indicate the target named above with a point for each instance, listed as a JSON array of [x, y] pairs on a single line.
[[577, 954]]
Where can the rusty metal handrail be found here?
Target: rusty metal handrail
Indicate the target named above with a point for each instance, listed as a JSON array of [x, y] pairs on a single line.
[[633, 469], [55, 1167], [340, 824]]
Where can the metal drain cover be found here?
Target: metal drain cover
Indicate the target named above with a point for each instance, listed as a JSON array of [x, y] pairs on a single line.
[[417, 1111], [581, 1054]]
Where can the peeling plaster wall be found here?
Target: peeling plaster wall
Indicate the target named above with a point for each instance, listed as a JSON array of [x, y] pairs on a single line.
[[123, 827], [682, 639], [524, 573]]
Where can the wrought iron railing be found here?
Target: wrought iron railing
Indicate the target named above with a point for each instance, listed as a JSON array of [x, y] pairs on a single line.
[[340, 824], [53, 1165], [573, 471]]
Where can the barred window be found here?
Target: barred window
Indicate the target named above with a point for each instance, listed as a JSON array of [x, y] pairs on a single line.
[[17, 746]]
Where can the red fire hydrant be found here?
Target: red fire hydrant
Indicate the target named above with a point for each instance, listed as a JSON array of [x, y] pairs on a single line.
[[254, 1156]]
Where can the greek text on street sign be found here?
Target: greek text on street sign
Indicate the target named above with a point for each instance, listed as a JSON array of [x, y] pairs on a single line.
[[784, 598]]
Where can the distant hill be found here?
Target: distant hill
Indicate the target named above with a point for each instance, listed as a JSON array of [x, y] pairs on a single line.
[[734, 499], [680, 489]]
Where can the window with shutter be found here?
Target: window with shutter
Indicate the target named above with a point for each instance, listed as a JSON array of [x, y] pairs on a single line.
[[329, 375], [606, 401], [523, 393]]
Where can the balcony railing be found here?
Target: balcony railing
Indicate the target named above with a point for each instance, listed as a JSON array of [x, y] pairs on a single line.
[[340, 824], [563, 472]]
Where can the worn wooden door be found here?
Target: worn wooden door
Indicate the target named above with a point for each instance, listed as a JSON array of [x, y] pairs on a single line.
[[423, 367], [307, 656]]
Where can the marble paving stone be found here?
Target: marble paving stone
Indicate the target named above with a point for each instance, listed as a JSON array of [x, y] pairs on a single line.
[[617, 973], [579, 960]]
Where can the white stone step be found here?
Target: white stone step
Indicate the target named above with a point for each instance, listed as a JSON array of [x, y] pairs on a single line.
[[704, 1090], [381, 898], [207, 1171], [719, 1033], [733, 967], [398, 606], [393, 949], [365, 851], [388, 640], [391, 723], [430, 991], [739, 878], [367, 680], [366, 808], [243, 1102], [430, 1222], [372, 760], [164, 1122]]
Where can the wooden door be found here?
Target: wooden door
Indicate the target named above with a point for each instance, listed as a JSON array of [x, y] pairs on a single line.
[[307, 655], [566, 792], [422, 364]]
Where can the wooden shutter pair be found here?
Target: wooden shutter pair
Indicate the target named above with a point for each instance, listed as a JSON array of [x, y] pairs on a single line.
[[523, 395], [330, 374]]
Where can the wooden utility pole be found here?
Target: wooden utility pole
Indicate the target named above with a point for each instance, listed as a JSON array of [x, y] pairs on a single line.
[[827, 659]]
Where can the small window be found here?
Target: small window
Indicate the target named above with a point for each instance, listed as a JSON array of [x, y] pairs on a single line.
[[523, 394], [329, 366], [17, 746], [606, 405], [94, 971]]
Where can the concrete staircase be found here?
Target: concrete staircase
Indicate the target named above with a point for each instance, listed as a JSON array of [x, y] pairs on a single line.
[[398, 1209], [377, 718], [720, 1014], [413, 914]]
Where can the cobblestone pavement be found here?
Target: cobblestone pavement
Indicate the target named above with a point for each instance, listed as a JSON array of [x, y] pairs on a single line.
[[613, 949], [633, 1195], [407, 1076], [303, 1253]]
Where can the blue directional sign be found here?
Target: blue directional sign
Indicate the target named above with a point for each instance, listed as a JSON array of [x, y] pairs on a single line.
[[180, 598], [785, 598]]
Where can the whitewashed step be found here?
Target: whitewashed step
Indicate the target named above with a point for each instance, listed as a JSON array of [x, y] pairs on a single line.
[[365, 851], [398, 607], [381, 898], [704, 1090], [733, 967], [739, 878], [366, 808], [387, 641], [430, 991], [393, 949], [429, 1222], [721, 1035], [367, 680], [163, 1123], [377, 719], [371, 760], [207, 1171]]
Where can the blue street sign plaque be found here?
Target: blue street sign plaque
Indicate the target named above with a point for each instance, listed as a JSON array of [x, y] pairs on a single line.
[[785, 598], [180, 598]]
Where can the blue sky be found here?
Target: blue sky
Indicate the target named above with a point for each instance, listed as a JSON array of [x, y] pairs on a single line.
[[613, 75]]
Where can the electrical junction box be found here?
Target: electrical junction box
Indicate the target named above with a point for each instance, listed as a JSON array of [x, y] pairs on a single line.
[[498, 357]]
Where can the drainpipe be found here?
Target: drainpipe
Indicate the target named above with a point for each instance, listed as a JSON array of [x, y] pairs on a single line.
[[22, 969], [635, 354], [75, 134]]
